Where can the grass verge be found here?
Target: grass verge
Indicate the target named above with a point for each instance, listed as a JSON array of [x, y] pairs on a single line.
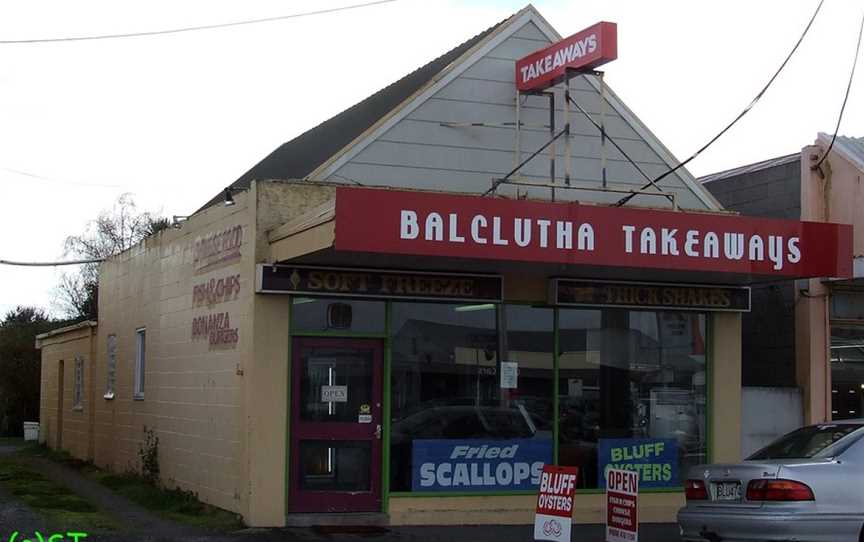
[[173, 504], [61, 507]]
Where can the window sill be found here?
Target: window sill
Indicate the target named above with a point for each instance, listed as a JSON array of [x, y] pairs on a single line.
[[78, 408], [108, 396], [505, 493], [138, 397]]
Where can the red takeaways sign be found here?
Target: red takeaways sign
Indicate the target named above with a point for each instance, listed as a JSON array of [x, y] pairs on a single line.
[[451, 225], [592, 47], [552, 519]]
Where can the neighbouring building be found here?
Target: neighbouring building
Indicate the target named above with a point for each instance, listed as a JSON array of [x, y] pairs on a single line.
[[371, 320], [803, 342]]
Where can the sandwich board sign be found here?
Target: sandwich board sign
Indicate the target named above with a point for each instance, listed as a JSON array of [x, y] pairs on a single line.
[[553, 517], [622, 492]]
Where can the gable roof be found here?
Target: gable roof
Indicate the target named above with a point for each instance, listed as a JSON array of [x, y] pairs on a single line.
[[299, 157], [319, 152]]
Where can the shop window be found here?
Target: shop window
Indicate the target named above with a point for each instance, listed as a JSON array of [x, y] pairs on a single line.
[[847, 305], [847, 371], [463, 417], [111, 367], [140, 361], [632, 393], [78, 384], [318, 315]]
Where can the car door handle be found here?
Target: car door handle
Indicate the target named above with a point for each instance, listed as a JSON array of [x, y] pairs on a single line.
[[378, 431]]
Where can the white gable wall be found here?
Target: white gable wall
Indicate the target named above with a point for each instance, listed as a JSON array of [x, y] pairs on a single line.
[[416, 151]]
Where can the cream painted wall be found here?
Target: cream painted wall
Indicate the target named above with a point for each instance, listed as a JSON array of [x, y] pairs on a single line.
[[77, 434], [193, 392], [724, 337], [266, 369]]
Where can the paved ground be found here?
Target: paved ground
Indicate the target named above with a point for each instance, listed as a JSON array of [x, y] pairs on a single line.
[[140, 525]]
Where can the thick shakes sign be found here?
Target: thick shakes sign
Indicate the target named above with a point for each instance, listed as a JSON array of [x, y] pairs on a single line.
[[554, 513], [622, 520], [449, 225], [587, 49]]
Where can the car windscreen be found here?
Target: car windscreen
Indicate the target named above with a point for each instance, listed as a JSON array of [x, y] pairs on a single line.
[[824, 440]]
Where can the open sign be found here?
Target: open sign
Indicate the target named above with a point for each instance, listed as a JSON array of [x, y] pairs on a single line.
[[334, 394]]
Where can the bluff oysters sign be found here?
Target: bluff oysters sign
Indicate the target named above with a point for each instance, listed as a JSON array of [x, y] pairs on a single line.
[[449, 225]]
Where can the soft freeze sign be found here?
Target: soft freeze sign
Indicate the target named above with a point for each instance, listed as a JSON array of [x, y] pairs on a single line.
[[622, 490], [555, 503]]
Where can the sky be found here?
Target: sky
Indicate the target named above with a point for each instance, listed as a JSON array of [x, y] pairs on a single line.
[[173, 119]]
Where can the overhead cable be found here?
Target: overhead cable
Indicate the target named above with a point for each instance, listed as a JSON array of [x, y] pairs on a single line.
[[845, 98], [627, 198], [49, 264], [193, 28]]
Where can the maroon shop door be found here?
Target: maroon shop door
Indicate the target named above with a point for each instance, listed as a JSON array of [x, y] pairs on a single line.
[[336, 426]]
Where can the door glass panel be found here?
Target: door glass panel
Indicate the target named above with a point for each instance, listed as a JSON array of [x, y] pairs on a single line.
[[335, 465], [336, 385]]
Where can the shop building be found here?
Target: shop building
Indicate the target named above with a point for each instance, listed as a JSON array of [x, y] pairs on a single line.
[[803, 338], [369, 321]]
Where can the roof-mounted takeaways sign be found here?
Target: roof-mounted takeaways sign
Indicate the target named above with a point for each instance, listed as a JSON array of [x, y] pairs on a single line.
[[589, 48], [449, 225]]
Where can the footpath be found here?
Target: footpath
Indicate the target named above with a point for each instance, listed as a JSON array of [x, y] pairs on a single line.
[[137, 524]]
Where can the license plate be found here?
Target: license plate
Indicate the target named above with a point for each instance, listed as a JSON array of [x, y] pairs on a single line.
[[727, 491]]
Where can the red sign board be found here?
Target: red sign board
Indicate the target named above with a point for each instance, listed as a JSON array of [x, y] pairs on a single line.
[[587, 49], [622, 519], [554, 513], [457, 226]]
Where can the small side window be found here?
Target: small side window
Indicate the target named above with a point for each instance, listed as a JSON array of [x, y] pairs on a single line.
[[78, 386], [140, 362], [111, 368]]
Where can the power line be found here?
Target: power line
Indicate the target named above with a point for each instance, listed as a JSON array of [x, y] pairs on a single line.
[[49, 264], [845, 98], [193, 28], [627, 198], [50, 180]]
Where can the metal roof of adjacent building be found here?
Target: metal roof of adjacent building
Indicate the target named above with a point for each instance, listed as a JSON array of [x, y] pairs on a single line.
[[750, 168], [852, 148], [300, 156]]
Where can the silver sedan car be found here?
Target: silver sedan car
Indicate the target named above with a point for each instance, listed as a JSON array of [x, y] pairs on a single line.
[[806, 486]]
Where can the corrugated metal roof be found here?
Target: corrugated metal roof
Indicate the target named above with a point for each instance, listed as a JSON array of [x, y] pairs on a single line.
[[852, 148], [750, 168], [300, 156]]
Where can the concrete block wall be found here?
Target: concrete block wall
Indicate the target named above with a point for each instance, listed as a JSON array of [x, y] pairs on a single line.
[[62, 424]]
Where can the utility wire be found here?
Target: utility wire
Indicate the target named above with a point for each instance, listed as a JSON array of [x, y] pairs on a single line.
[[193, 28], [49, 264], [50, 180], [845, 98], [627, 198]]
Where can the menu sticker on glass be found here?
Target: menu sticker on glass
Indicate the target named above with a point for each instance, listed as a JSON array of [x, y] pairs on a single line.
[[509, 375]]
